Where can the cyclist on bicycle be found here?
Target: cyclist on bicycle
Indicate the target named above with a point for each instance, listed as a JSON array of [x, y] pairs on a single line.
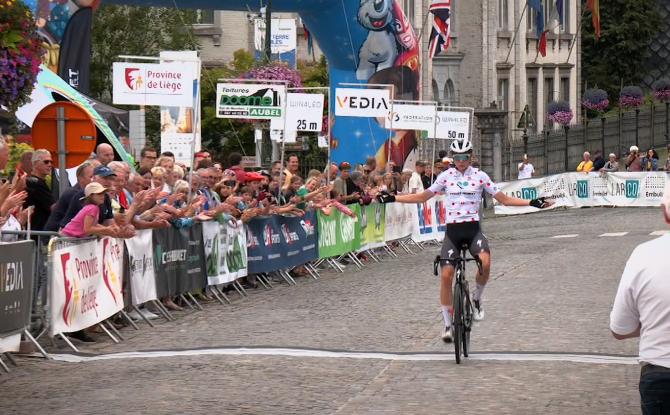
[[463, 186]]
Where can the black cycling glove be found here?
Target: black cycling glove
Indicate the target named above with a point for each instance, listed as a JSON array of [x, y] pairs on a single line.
[[384, 197], [539, 203]]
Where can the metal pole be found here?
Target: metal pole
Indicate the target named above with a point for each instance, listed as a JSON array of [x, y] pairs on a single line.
[[546, 152], [602, 135], [637, 126], [194, 116], [567, 163], [516, 31], [667, 123], [62, 173], [525, 141], [268, 31]]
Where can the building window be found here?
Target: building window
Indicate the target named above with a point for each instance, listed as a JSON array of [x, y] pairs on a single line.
[[548, 90], [450, 93], [503, 93], [531, 96], [565, 89], [565, 21], [503, 15], [408, 8], [204, 16], [436, 91], [531, 22]]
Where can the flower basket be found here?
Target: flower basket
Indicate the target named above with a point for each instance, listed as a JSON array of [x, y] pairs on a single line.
[[661, 90], [595, 99], [20, 54], [560, 113], [631, 97]]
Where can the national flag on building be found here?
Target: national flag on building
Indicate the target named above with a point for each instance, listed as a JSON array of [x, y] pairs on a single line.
[[594, 7], [440, 34]]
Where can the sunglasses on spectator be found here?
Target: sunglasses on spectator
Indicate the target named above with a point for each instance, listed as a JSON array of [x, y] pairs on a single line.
[[462, 157], [230, 183], [46, 161]]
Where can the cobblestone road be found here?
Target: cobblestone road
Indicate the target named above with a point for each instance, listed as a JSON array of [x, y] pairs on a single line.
[[547, 295]]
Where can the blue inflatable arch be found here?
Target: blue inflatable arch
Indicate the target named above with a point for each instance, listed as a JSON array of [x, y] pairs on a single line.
[[365, 41]]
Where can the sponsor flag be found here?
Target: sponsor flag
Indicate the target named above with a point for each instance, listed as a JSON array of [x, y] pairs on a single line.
[[440, 34], [74, 64], [594, 7]]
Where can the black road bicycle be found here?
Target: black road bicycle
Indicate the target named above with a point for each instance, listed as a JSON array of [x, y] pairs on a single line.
[[463, 308]]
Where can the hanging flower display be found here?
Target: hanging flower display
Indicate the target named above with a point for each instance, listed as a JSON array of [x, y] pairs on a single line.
[[595, 100], [276, 72], [559, 112], [662, 90], [20, 54], [631, 97]]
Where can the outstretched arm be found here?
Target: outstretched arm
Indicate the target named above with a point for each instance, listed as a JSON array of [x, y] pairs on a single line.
[[415, 197], [506, 200]]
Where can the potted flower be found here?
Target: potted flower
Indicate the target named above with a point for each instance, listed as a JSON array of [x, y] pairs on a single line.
[[631, 97], [595, 99], [661, 92], [561, 113], [20, 54]]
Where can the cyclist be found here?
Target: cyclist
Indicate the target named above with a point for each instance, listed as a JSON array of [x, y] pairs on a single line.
[[463, 185]]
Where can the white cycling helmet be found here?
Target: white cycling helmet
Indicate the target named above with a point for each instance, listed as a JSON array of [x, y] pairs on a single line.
[[461, 146]]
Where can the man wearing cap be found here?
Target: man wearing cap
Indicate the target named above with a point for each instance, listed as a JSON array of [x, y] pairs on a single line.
[[633, 162], [105, 176], [642, 309]]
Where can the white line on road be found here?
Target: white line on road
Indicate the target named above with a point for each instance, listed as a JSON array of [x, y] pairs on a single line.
[[613, 234], [658, 233], [571, 235], [330, 354]]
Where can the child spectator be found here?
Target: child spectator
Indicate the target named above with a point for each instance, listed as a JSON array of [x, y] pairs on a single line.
[[85, 223]]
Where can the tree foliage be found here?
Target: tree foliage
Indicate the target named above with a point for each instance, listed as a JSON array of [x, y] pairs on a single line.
[[627, 27]]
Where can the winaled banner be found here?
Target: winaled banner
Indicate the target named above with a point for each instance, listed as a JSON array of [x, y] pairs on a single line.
[[225, 250], [16, 287], [588, 189], [141, 267], [86, 284], [372, 220]]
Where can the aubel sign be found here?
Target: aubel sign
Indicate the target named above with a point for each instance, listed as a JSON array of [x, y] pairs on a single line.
[[168, 84], [355, 102], [250, 101]]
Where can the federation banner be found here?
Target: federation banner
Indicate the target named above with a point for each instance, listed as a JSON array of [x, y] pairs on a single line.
[[339, 233], [401, 220], [141, 267], [225, 251], [280, 242], [16, 287], [372, 219], [588, 189], [85, 284], [179, 260]]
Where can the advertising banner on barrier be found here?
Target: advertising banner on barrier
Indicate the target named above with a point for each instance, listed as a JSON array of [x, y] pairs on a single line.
[[592, 189], [360, 102], [280, 242], [250, 101], [339, 233], [179, 260], [431, 220], [85, 284], [225, 251], [163, 83], [372, 219], [401, 221], [141, 267], [16, 288]]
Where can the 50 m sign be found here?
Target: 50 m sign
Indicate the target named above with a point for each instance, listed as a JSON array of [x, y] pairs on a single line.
[[250, 101]]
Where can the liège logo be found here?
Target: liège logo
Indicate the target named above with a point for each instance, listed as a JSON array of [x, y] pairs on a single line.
[[134, 79]]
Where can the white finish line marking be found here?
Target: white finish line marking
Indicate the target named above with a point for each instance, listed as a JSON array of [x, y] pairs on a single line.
[[571, 235], [330, 354], [658, 233], [613, 234]]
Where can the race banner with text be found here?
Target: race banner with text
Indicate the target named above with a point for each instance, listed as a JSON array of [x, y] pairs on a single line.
[[372, 219], [16, 287], [401, 220], [141, 267], [179, 260], [225, 251], [588, 189], [280, 242], [339, 233], [85, 284]]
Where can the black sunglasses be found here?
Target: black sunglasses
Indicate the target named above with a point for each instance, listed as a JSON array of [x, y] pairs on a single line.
[[230, 183], [46, 161]]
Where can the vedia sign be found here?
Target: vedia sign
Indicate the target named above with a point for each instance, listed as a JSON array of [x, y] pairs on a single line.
[[353, 102], [250, 101], [168, 84]]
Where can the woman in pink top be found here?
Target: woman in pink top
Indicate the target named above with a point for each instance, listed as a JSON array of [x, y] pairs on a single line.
[[85, 223]]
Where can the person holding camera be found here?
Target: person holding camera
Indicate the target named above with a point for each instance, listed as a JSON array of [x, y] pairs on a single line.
[[633, 162]]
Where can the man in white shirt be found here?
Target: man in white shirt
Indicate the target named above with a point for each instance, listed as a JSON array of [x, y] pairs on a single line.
[[642, 309], [526, 169]]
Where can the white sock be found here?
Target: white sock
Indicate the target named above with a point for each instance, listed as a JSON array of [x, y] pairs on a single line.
[[479, 291], [446, 313]]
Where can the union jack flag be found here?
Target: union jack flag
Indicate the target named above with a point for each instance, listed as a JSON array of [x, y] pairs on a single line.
[[439, 35]]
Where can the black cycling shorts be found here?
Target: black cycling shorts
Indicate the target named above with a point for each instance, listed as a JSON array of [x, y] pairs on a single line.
[[458, 234]]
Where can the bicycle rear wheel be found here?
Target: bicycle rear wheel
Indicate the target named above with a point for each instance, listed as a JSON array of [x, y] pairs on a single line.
[[457, 324]]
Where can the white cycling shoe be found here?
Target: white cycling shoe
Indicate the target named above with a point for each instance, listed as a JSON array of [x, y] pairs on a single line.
[[448, 335], [477, 310]]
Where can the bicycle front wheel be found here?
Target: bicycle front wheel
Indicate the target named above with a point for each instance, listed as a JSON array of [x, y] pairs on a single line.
[[459, 328], [467, 321]]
